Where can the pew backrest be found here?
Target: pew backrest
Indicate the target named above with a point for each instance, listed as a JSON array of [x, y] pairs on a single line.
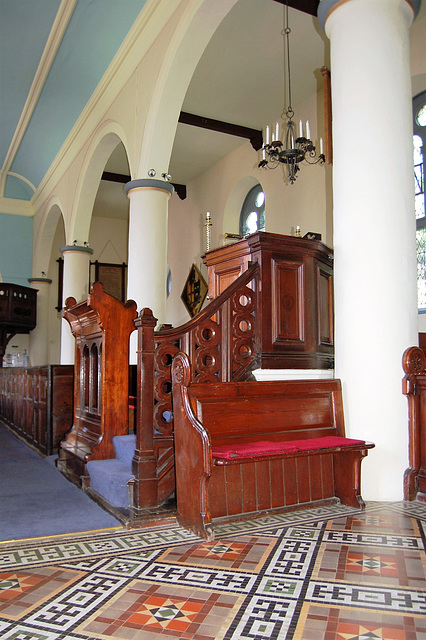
[[247, 411]]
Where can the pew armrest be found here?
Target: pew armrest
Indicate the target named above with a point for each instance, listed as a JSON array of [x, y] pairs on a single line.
[[193, 456]]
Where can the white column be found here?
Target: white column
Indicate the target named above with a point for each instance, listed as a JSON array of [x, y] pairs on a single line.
[[374, 227], [39, 340], [75, 285], [147, 258]]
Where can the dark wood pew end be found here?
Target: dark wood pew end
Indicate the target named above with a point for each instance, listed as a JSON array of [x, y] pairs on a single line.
[[246, 448]]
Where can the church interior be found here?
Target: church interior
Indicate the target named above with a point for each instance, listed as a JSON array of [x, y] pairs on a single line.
[[212, 416]]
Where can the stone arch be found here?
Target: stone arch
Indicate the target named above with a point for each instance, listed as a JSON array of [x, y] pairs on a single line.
[[101, 147], [191, 35], [43, 245]]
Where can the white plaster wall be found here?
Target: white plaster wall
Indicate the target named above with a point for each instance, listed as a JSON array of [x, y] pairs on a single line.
[[108, 239]]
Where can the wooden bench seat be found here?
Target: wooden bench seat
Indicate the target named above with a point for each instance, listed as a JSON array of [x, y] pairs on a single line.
[[246, 447]]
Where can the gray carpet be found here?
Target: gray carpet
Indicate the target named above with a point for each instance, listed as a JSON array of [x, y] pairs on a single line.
[[36, 500]]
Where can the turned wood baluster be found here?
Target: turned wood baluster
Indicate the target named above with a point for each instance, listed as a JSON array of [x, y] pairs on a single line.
[[413, 363], [144, 464]]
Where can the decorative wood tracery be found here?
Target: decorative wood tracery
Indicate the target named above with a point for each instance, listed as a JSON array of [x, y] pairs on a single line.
[[221, 342], [101, 326]]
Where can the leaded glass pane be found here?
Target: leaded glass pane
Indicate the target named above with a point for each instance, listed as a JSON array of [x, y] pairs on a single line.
[[252, 216], [419, 178], [421, 268], [421, 116]]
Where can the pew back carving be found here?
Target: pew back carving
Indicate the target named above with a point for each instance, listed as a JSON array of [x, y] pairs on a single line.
[[222, 343], [101, 327]]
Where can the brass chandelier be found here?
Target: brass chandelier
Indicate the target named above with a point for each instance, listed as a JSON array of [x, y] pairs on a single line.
[[290, 150]]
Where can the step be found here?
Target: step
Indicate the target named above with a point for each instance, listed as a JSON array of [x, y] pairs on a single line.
[[124, 447], [109, 479]]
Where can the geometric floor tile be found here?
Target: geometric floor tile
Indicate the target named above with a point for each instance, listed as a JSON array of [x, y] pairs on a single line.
[[263, 618], [383, 523], [344, 624], [143, 610], [22, 632], [245, 554], [369, 565], [22, 591], [332, 573]]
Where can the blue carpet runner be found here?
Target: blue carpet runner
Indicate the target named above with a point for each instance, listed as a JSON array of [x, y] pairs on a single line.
[[37, 500], [109, 478]]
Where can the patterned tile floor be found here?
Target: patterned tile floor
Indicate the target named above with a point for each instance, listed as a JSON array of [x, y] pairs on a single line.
[[324, 573]]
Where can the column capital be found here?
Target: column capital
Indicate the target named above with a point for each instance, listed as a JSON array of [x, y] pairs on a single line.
[[40, 280], [76, 248], [326, 6], [149, 183]]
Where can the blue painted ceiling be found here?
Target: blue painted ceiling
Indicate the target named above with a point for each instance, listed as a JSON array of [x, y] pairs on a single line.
[[93, 34]]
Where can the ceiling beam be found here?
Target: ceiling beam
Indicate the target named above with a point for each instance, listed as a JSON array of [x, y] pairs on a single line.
[[307, 6], [254, 135]]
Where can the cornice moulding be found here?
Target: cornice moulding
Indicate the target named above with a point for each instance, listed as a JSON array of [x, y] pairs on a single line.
[[16, 207]]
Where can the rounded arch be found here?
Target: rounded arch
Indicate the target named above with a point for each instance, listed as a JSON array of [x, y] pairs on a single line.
[[100, 149], [43, 245], [191, 35], [231, 214]]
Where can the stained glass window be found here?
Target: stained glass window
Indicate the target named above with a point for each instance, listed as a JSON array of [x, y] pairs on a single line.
[[419, 122]]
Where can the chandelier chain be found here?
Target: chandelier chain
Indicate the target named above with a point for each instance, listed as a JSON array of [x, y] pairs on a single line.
[[291, 150], [289, 113]]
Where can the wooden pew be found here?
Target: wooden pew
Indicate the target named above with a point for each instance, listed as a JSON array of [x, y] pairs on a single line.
[[247, 447], [101, 326], [414, 387]]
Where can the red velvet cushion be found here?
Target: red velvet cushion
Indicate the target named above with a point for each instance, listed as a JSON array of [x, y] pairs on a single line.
[[248, 449], [325, 443], [265, 447]]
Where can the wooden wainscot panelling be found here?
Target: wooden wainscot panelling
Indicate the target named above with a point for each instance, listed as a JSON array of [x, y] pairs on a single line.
[[325, 306], [37, 403], [225, 265], [288, 307]]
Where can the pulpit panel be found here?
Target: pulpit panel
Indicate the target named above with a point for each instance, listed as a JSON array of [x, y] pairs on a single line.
[[288, 296]]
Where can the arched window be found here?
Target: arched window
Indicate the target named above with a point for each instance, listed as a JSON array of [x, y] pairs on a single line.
[[419, 137], [252, 216]]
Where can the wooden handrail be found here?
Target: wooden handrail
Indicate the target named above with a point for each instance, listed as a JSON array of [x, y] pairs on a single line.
[[213, 306], [222, 344]]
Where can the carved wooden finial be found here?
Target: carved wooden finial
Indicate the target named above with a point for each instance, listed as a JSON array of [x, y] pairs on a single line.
[[147, 317], [70, 302], [413, 360], [181, 369]]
